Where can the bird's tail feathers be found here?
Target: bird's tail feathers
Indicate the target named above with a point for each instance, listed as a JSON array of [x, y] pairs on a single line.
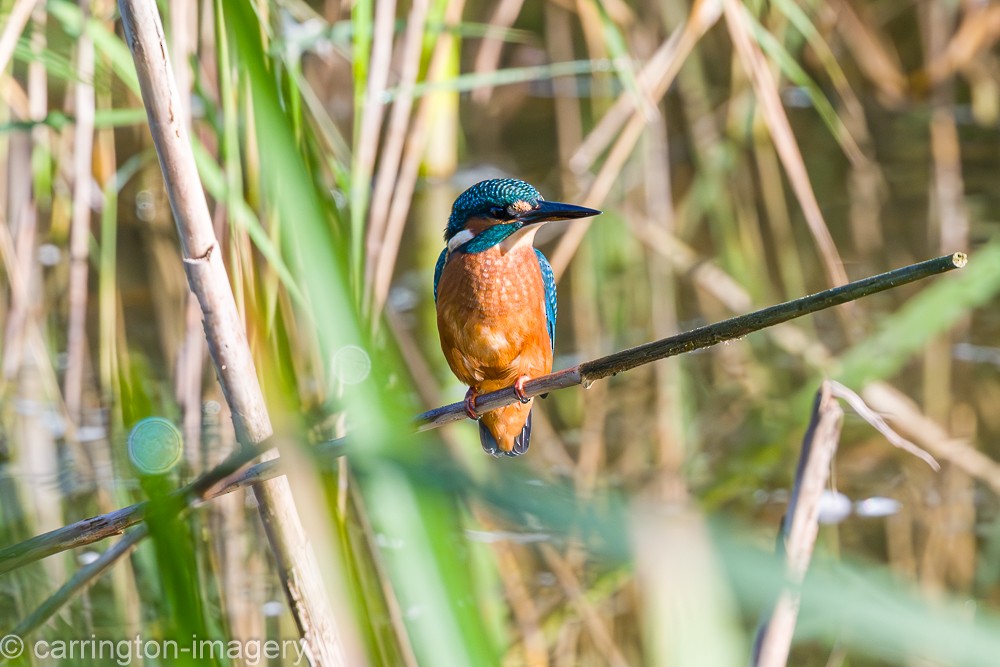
[[492, 447]]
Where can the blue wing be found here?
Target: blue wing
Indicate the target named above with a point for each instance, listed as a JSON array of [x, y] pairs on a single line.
[[551, 306], [438, 269]]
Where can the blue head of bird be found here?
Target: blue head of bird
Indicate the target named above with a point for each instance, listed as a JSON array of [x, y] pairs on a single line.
[[500, 210]]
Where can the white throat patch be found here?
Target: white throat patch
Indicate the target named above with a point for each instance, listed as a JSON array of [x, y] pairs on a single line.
[[462, 237]]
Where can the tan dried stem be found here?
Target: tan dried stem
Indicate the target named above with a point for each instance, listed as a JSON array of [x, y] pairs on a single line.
[[654, 79], [79, 244], [766, 90], [657, 76], [406, 178], [224, 328], [374, 109], [82, 578], [488, 55], [589, 372], [873, 57], [12, 29], [596, 626], [395, 142], [801, 526]]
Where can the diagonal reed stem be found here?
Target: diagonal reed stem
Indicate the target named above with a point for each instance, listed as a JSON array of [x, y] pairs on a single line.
[[223, 478], [706, 336]]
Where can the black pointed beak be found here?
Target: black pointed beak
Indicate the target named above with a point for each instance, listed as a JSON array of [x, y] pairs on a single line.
[[553, 210]]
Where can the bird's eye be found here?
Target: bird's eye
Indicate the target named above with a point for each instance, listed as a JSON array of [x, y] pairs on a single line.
[[498, 212]]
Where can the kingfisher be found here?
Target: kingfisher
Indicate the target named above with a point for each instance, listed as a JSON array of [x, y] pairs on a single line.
[[496, 301]]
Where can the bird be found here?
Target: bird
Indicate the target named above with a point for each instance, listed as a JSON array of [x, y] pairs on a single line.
[[495, 295]]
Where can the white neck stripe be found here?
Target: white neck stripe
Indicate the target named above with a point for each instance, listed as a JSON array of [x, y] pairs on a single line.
[[461, 238]]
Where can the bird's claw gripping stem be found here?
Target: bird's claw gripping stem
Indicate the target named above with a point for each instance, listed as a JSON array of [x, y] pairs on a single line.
[[470, 404], [519, 389]]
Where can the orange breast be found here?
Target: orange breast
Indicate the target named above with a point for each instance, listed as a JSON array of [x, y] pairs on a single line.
[[491, 317]]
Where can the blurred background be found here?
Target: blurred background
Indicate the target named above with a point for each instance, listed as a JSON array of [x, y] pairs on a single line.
[[743, 155]]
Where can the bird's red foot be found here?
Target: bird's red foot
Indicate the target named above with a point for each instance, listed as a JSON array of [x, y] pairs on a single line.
[[470, 404], [519, 389]]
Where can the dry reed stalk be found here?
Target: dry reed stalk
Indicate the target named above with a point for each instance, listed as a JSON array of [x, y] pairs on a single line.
[[17, 19], [801, 526], [598, 630], [20, 256], [901, 552], [587, 335], [654, 78], [867, 191], [190, 357], [187, 386], [779, 220], [488, 56], [423, 376], [689, 618], [34, 348], [79, 245], [569, 124], [588, 372], [225, 334], [239, 566], [976, 35], [948, 553], [767, 95], [18, 241], [662, 70], [397, 132], [409, 164], [567, 645], [588, 14], [370, 123], [949, 186], [522, 603], [82, 578], [354, 506], [663, 304], [903, 414], [873, 57]]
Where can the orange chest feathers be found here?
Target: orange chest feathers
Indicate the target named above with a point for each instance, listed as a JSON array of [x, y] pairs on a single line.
[[491, 317]]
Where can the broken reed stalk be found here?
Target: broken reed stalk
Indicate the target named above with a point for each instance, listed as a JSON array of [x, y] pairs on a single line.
[[800, 527], [219, 480], [80, 580], [216, 482], [706, 336], [224, 328]]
